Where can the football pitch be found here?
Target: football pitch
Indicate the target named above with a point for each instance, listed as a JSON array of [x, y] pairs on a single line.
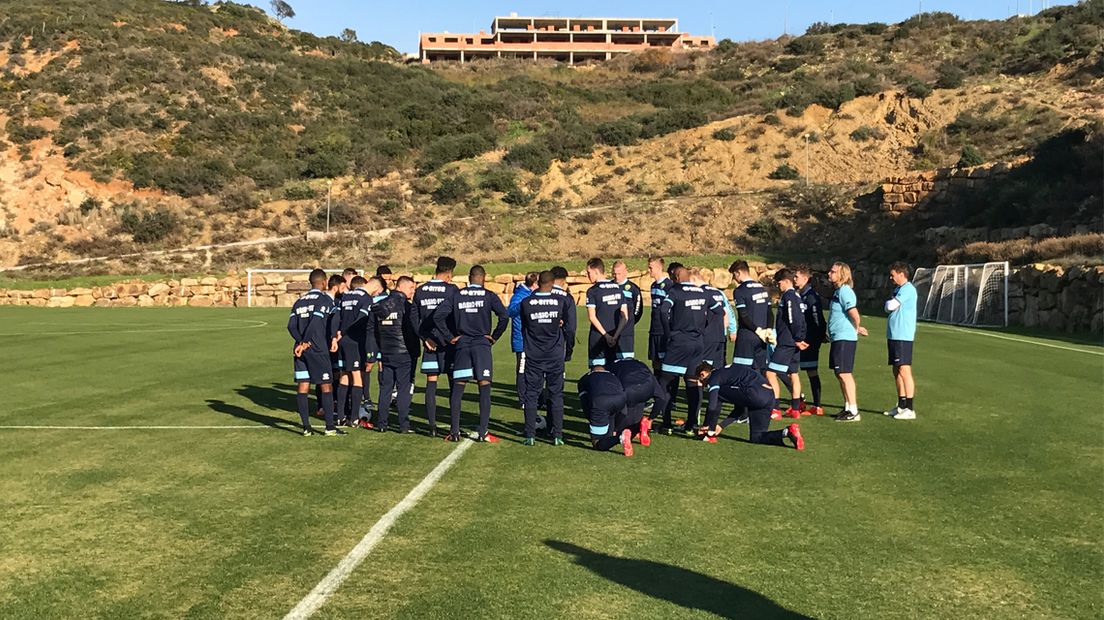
[[988, 505]]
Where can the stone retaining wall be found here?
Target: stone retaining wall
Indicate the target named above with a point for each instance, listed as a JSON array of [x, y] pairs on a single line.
[[903, 193], [1048, 296]]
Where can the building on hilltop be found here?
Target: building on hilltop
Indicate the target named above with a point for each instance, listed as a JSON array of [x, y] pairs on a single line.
[[566, 39]]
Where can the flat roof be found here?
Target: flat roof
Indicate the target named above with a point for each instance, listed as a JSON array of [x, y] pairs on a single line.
[[546, 17]]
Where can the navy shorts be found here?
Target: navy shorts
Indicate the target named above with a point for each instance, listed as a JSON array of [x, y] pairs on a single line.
[[473, 363], [437, 362], [350, 356], [314, 367], [603, 412], [683, 356], [841, 357], [750, 350], [716, 353], [810, 357], [599, 353], [900, 352], [752, 397], [657, 348], [626, 346], [639, 393], [784, 359]]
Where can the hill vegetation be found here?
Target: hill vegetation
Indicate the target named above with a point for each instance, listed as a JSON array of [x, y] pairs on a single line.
[[227, 119]]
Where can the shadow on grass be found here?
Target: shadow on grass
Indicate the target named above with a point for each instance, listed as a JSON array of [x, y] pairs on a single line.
[[260, 418], [680, 586]]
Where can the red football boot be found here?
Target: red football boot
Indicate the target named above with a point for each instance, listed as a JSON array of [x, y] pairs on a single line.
[[645, 427], [795, 436], [626, 442]]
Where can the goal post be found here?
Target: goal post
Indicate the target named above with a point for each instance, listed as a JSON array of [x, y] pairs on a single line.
[[975, 294], [255, 278]]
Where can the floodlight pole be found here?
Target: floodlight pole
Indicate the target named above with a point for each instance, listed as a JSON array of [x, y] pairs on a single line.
[[329, 192], [808, 160]]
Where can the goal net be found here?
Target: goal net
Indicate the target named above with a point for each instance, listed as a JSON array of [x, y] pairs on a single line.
[[256, 281], [963, 294]]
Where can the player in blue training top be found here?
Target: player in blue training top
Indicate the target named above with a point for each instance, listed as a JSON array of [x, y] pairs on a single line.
[[354, 325], [815, 334], [685, 315], [602, 398], [437, 352], [636, 308], [399, 345], [465, 319], [309, 326], [789, 326], [900, 333], [753, 398], [640, 385], [522, 290], [752, 303], [548, 328], [608, 312], [844, 329]]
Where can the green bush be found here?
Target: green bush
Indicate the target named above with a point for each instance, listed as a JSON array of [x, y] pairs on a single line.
[[20, 133], [452, 148], [531, 156], [969, 156], [452, 189], [823, 202], [517, 197], [866, 133], [788, 64], [784, 172], [300, 191], [678, 189], [89, 205], [916, 88], [621, 132], [724, 134], [949, 76], [499, 179], [806, 45], [668, 121], [150, 226]]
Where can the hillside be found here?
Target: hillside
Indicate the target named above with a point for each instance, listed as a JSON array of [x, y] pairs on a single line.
[[143, 124]]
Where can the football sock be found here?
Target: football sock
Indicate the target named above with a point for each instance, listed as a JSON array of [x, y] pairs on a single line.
[[902, 402], [431, 403], [342, 394], [908, 403], [795, 403], [302, 402], [456, 396], [814, 385], [328, 409], [693, 402], [484, 408], [357, 396]]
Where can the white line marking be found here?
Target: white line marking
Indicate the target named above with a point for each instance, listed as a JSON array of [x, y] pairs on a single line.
[[130, 428], [255, 324], [317, 597], [1013, 339]]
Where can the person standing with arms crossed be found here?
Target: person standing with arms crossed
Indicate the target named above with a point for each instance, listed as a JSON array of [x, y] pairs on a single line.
[[844, 329]]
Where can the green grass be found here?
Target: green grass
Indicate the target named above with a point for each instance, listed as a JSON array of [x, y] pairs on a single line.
[[988, 505], [16, 281]]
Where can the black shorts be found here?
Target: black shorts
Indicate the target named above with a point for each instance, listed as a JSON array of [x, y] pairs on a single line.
[[350, 356], [750, 350], [810, 357], [900, 352], [603, 412], [683, 356], [473, 363], [639, 393], [784, 359], [753, 397], [599, 353], [626, 344], [841, 357], [313, 367], [437, 362], [657, 347], [716, 353]]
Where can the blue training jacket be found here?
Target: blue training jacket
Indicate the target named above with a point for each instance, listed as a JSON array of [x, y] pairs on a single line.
[[517, 345]]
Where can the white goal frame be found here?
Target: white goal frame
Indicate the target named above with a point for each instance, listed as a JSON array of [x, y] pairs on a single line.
[[954, 294], [249, 278]]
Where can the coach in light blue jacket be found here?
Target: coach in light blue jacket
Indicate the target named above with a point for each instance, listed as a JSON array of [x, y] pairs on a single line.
[[900, 332], [517, 345]]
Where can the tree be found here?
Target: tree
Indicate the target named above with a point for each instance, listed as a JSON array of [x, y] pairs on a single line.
[[349, 35], [282, 10]]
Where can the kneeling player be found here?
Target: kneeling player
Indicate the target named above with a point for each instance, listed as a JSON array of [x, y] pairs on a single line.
[[746, 389], [640, 386], [603, 401]]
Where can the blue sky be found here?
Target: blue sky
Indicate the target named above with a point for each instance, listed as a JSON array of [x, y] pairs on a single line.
[[398, 23]]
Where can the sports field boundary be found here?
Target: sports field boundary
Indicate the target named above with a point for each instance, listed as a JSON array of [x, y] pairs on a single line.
[[1036, 342], [317, 597], [208, 427]]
